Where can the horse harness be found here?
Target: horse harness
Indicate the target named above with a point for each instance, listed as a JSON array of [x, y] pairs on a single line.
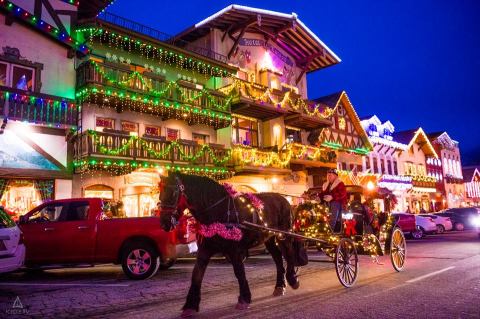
[[181, 199]]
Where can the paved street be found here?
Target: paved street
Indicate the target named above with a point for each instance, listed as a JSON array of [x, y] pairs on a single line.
[[442, 280]]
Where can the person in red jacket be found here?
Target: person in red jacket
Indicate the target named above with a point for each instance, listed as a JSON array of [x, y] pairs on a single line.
[[334, 194]]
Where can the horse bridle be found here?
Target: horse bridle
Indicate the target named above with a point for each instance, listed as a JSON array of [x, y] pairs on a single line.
[[178, 193]]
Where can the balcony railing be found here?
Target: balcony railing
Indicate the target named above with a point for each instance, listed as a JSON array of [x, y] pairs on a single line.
[[123, 78], [161, 36], [131, 147], [286, 100], [38, 108]]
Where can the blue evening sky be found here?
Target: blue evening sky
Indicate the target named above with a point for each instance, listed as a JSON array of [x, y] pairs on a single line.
[[415, 63]]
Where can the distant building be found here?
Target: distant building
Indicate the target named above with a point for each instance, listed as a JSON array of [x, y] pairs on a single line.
[[413, 162], [471, 177], [451, 180]]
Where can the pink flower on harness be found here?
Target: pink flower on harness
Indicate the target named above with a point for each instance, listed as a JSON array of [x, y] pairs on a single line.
[[230, 233]]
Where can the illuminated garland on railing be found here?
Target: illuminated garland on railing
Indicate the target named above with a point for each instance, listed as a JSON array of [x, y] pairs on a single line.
[[252, 156], [125, 167], [150, 51], [146, 104], [162, 94], [246, 89], [159, 154]]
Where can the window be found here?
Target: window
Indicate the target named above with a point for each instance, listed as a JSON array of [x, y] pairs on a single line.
[[3, 74], [200, 138], [375, 165], [102, 123], [76, 211], [172, 135], [129, 126], [389, 167], [49, 213], [152, 130], [245, 131], [367, 163], [17, 76], [395, 168], [22, 78], [382, 166], [293, 136]]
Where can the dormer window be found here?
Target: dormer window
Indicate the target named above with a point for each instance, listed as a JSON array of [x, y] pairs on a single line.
[[372, 128]]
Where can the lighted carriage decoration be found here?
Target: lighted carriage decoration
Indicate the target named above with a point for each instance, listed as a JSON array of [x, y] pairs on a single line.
[[355, 236]]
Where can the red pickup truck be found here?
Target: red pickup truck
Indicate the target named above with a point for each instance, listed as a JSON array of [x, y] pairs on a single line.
[[73, 232]]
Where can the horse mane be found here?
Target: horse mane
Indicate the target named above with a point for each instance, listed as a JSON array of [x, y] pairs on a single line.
[[202, 190]]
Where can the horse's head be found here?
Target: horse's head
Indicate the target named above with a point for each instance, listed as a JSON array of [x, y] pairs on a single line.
[[173, 201]]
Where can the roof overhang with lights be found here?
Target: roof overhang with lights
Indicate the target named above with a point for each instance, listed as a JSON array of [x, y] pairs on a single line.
[[285, 30]]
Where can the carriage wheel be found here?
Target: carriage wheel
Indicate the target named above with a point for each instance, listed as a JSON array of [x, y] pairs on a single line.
[[346, 262], [398, 249]]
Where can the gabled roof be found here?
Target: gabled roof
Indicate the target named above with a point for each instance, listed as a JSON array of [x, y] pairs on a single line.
[[333, 100], [91, 8], [438, 136], [285, 30], [415, 136], [469, 173]]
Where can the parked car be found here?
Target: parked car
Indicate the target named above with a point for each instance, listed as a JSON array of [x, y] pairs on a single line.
[[12, 248], [426, 225], [407, 224], [443, 223], [73, 232], [462, 218]]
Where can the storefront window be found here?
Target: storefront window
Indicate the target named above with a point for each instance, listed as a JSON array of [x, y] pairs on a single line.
[[245, 131], [20, 196], [100, 191]]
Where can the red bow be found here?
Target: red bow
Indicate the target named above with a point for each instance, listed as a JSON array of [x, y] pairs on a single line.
[[349, 227]]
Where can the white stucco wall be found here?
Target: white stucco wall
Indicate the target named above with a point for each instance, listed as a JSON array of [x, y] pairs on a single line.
[[58, 74]]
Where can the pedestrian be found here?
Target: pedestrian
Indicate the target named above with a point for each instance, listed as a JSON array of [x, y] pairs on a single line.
[[334, 194]]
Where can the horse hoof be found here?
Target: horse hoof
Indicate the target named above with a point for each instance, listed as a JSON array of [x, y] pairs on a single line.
[[242, 306], [279, 291], [188, 313], [296, 285]]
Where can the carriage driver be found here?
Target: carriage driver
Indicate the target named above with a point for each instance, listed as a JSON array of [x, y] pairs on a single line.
[[334, 194]]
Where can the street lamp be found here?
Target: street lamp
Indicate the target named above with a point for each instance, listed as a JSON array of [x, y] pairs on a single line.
[[370, 186]]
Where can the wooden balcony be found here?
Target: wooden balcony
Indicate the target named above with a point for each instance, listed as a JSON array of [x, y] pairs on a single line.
[[125, 147], [38, 108], [117, 85], [258, 101]]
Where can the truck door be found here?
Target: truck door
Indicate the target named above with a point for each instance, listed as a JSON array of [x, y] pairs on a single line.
[[41, 233], [77, 232]]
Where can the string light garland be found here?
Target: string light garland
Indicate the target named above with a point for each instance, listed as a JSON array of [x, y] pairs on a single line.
[[173, 145], [43, 26], [150, 51], [245, 155], [123, 167], [242, 88], [55, 112], [167, 91], [123, 100]]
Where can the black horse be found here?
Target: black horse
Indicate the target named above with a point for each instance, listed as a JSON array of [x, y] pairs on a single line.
[[209, 202]]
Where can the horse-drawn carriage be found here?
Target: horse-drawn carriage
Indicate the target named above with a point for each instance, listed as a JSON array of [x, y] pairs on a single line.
[[232, 222]]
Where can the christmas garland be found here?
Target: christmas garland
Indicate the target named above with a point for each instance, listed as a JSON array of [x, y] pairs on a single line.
[[159, 154]]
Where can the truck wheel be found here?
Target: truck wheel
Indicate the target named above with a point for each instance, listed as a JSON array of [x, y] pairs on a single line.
[[140, 260]]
